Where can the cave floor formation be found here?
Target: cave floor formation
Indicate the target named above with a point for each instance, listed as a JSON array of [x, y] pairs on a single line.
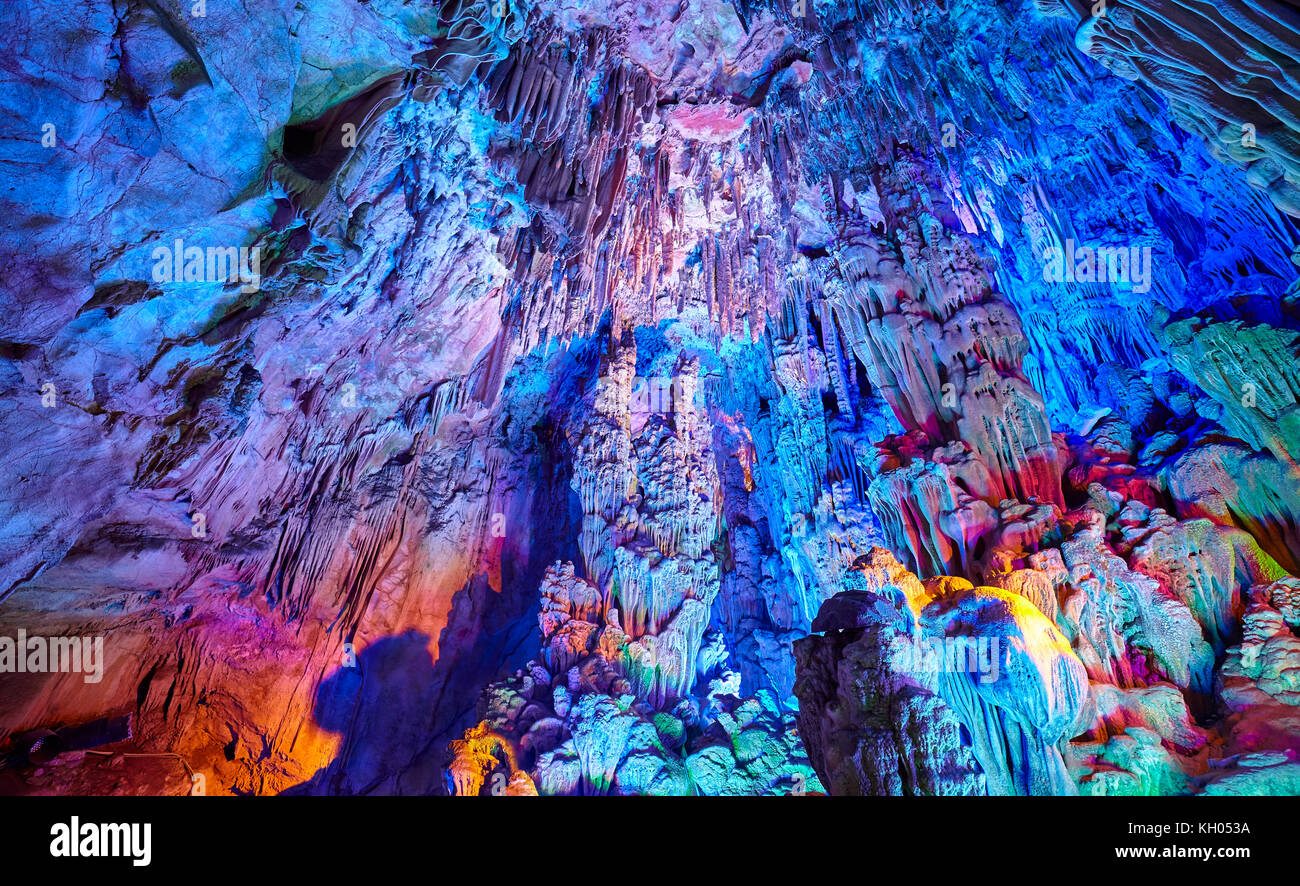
[[686, 397]]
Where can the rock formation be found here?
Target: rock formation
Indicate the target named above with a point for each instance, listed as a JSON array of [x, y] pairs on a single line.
[[508, 397]]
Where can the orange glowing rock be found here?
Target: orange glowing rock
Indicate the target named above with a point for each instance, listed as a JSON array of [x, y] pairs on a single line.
[[479, 753]]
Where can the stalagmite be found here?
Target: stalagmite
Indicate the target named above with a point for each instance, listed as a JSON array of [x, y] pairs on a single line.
[[654, 398]]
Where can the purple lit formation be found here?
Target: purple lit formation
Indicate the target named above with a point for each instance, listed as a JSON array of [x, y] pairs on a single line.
[[650, 397]]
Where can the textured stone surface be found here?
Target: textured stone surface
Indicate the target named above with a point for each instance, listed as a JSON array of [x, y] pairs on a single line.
[[634, 398]]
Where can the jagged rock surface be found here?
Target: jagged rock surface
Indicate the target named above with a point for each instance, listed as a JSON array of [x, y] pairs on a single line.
[[621, 392]]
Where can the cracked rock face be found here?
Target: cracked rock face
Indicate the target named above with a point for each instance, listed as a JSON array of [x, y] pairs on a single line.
[[506, 397]]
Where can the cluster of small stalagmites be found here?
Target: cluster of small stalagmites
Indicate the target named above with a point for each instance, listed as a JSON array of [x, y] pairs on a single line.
[[1158, 617], [648, 484], [1268, 659], [582, 719], [633, 691], [1203, 564], [1186, 585], [483, 753], [1127, 628], [1153, 605]]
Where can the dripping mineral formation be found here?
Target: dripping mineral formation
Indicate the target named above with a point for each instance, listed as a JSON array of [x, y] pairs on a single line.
[[515, 397]]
